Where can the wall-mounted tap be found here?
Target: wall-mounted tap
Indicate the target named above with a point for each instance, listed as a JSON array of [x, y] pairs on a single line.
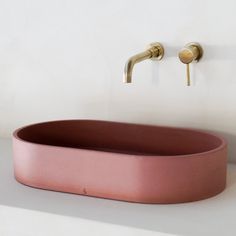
[[154, 51], [189, 53]]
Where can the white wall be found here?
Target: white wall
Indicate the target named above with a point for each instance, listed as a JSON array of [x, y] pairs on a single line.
[[65, 59]]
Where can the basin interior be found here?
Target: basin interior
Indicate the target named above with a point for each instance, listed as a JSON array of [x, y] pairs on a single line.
[[120, 137]]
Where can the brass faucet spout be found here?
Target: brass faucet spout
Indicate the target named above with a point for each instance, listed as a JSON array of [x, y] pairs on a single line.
[[155, 50], [132, 61]]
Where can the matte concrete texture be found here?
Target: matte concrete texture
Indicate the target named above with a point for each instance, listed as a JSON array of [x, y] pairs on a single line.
[[130, 162]]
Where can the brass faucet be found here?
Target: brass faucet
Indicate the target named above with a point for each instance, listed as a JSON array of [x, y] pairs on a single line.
[[154, 51], [191, 52]]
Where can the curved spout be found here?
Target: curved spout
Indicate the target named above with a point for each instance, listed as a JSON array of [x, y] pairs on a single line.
[[155, 50], [132, 61]]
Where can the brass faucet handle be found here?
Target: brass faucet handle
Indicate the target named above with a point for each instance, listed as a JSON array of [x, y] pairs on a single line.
[[189, 53], [188, 75]]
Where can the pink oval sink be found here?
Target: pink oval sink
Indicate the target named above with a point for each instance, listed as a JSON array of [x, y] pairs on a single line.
[[130, 162]]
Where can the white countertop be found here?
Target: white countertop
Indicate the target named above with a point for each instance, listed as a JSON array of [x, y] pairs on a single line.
[[28, 211]]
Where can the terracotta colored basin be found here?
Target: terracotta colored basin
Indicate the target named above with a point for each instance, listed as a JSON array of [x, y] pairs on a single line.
[[130, 162]]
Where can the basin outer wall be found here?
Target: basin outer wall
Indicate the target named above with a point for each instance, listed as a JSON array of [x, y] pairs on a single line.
[[126, 177]]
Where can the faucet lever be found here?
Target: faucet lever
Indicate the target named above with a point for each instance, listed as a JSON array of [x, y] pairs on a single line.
[[189, 53], [188, 75], [154, 51]]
